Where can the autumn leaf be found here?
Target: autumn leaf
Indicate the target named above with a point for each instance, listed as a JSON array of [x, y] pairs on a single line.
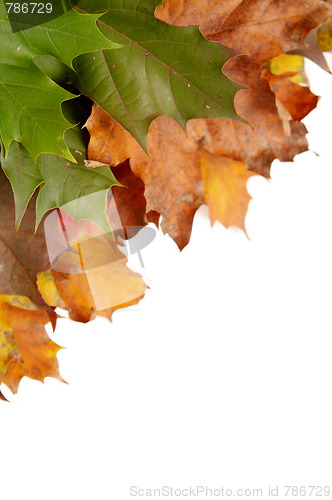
[[30, 292], [91, 276], [170, 172], [289, 84], [81, 292], [178, 173], [26, 349]]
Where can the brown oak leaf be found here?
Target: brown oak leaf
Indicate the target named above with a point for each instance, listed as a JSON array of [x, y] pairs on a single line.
[[179, 175]]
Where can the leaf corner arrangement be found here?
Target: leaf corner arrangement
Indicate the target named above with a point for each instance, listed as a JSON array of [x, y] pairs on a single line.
[[117, 112]]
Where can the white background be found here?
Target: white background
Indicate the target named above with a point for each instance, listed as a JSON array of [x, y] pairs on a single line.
[[221, 376]]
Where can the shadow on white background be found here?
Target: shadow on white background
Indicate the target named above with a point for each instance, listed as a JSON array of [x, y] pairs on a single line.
[[221, 376]]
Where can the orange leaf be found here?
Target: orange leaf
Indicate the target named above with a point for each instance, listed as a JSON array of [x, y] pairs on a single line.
[[27, 350], [109, 141], [298, 100], [92, 276]]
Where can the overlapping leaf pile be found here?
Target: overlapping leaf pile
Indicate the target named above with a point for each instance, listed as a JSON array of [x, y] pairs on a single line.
[[191, 98]]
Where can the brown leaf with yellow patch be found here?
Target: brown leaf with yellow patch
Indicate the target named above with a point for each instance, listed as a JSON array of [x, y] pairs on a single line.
[[266, 28], [225, 189], [286, 77], [172, 174]]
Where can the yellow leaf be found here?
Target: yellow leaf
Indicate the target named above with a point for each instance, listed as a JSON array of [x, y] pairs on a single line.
[[225, 190], [324, 36], [48, 290], [286, 64]]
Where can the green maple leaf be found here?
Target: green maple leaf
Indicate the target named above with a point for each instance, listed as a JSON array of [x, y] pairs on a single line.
[[30, 102], [63, 184], [159, 70]]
